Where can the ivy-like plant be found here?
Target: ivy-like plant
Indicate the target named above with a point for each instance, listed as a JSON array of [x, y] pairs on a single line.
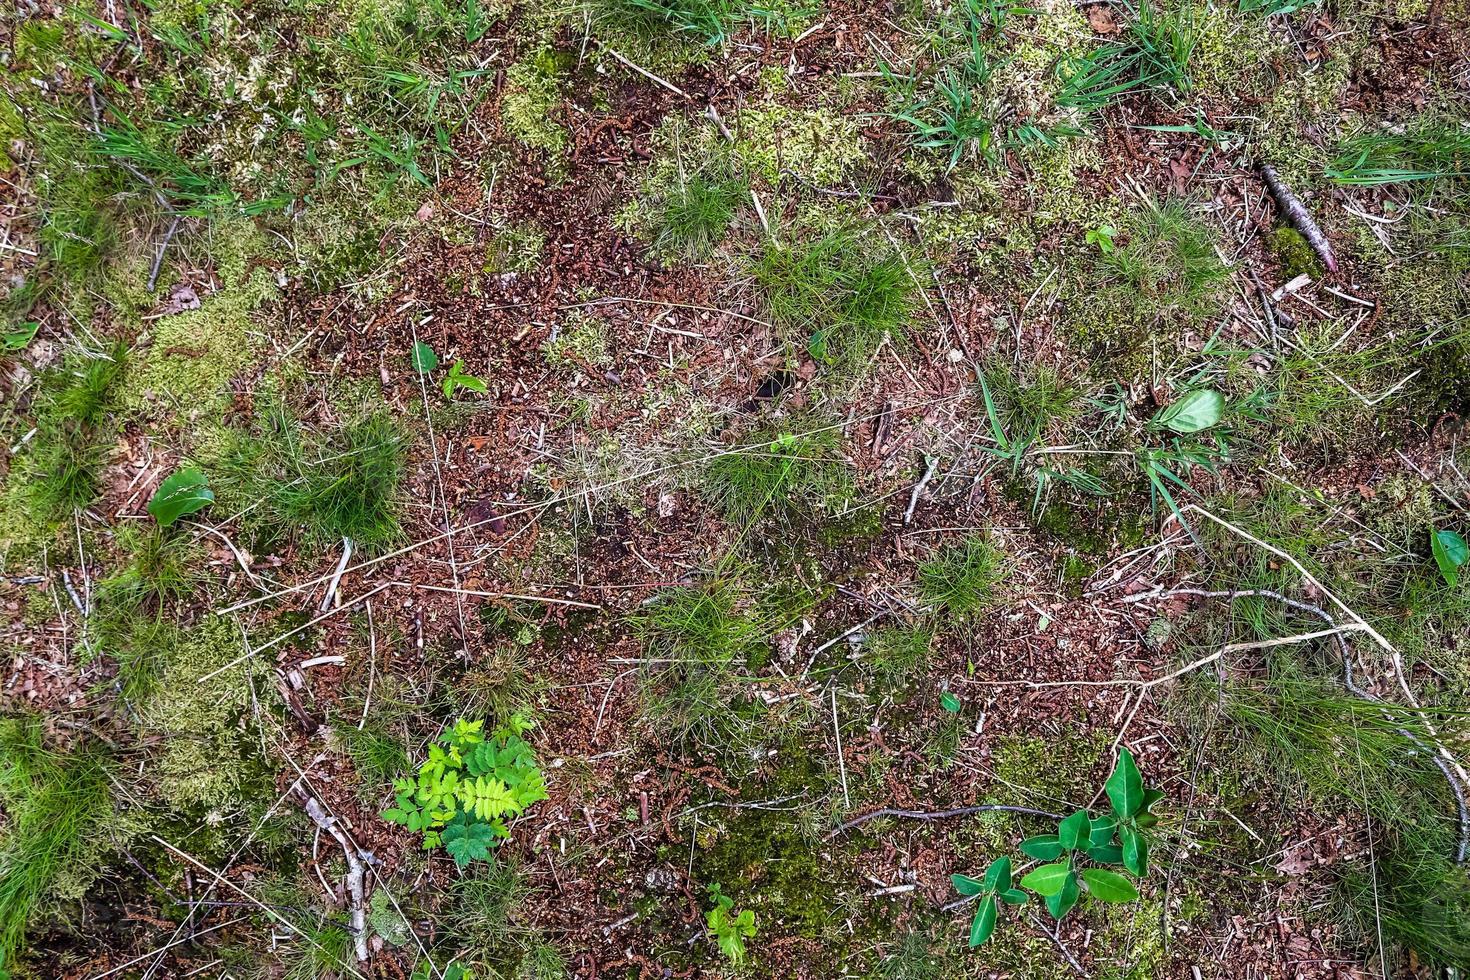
[[467, 787], [1073, 853], [729, 928]]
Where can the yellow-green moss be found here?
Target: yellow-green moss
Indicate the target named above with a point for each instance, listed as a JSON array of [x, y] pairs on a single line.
[[819, 146], [209, 757], [531, 100], [185, 370], [1294, 254]]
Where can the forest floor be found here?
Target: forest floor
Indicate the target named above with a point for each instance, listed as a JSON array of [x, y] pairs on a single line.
[[677, 488]]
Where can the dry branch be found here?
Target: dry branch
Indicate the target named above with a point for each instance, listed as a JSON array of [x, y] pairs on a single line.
[[1297, 215], [356, 869]]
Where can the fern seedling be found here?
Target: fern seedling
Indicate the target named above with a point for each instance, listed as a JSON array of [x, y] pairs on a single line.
[[467, 788]]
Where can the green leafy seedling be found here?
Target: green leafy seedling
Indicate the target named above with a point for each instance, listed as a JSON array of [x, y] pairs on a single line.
[[468, 787], [457, 379], [993, 890], [20, 338], [729, 928], [1450, 554], [949, 703], [1102, 236], [1071, 857], [185, 492]]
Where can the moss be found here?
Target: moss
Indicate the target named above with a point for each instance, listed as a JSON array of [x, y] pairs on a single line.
[[1092, 527], [579, 340], [207, 692], [532, 100], [193, 356], [1057, 767], [514, 250], [1294, 254], [819, 146]]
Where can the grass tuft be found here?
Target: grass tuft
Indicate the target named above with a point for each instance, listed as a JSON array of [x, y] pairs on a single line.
[[961, 579], [787, 475], [53, 803], [840, 292]]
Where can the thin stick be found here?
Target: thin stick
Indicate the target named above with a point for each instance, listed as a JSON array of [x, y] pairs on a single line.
[[353, 882], [337, 576], [1362, 624], [290, 633], [550, 600], [841, 766], [648, 74], [929, 815], [372, 664], [933, 464], [464, 629]]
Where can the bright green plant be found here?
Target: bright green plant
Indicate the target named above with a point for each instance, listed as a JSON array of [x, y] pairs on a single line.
[[183, 493], [423, 357], [1102, 236], [457, 379], [729, 928], [1450, 554], [1079, 856], [467, 788], [20, 337]]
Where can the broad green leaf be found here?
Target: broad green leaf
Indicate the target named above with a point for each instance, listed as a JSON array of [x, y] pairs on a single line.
[[1049, 879], [1450, 554], [966, 885], [472, 383], [395, 815], [1106, 854], [185, 492], [1061, 903], [1043, 848], [998, 875], [949, 703], [1125, 786], [423, 357], [1194, 411], [1108, 886], [20, 338], [1014, 897], [1073, 831], [1135, 852], [1150, 797], [1103, 829], [984, 923]]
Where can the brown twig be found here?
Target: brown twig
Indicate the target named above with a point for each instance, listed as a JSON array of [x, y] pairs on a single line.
[[928, 815]]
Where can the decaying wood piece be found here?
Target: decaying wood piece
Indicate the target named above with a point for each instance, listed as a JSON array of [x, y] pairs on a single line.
[[353, 883], [1298, 216]]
